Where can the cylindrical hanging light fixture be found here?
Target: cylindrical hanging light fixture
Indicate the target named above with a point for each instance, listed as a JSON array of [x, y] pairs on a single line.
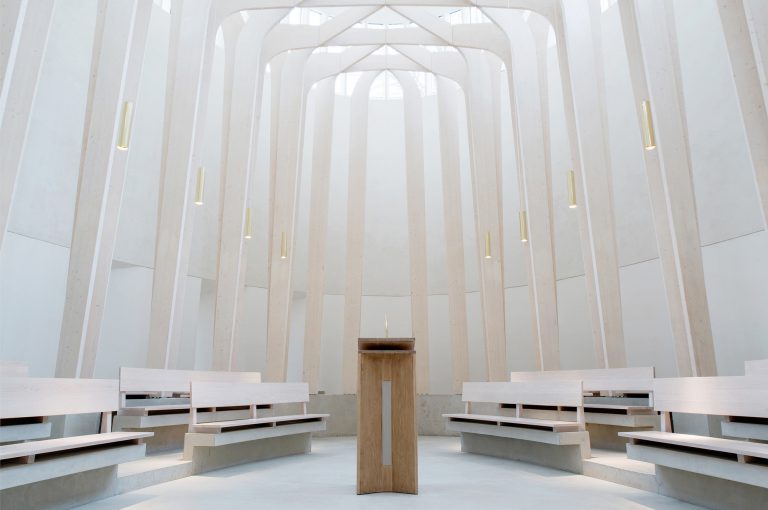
[[200, 187], [283, 247], [649, 138], [487, 245], [571, 189], [523, 227], [124, 137], [248, 226]]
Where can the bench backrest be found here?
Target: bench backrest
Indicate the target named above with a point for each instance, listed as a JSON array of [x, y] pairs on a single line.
[[13, 369], [157, 380], [22, 397], [218, 394], [542, 393], [720, 396], [756, 367], [634, 379]]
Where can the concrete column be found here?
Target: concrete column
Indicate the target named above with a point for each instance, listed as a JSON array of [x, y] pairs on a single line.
[[581, 71], [353, 281], [417, 224], [658, 45], [325, 95], [237, 133], [290, 135], [24, 29], [487, 209], [528, 90], [448, 99], [116, 62], [190, 55]]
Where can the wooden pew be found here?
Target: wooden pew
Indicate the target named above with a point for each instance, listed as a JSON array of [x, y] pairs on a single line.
[[38, 398], [500, 435], [715, 458], [164, 397], [297, 426], [616, 399], [617, 396]]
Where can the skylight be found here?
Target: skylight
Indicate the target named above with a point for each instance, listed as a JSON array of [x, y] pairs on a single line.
[[465, 16], [305, 16]]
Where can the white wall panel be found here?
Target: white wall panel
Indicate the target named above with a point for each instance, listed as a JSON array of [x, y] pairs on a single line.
[[333, 334], [433, 199], [336, 247], [33, 277], [440, 364], [521, 353], [647, 326], [726, 196], [476, 338], [576, 345], [736, 275], [44, 204], [125, 328], [386, 262], [252, 336]]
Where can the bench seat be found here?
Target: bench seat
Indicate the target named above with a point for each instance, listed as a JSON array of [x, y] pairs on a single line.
[[25, 430], [745, 429], [550, 425], [224, 426], [706, 444], [615, 415], [46, 446], [171, 409], [729, 459]]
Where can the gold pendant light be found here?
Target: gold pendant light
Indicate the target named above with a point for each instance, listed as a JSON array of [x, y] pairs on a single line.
[[124, 137], [200, 187], [649, 138], [572, 189], [248, 226], [523, 227]]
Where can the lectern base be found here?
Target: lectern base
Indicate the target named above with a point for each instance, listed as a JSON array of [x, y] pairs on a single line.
[[386, 438]]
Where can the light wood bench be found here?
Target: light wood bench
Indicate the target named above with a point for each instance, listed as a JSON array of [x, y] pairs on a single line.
[[475, 428], [153, 398], [615, 396], [209, 435], [39, 398], [725, 459]]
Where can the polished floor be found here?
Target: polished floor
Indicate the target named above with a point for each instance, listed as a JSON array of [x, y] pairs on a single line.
[[448, 479]]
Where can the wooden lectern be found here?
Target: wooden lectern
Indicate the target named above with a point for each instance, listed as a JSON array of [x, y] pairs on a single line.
[[386, 418]]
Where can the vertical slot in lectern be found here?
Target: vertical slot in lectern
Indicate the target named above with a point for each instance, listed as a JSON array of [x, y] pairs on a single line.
[[386, 418]]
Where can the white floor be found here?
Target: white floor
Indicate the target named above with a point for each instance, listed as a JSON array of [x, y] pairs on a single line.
[[447, 479]]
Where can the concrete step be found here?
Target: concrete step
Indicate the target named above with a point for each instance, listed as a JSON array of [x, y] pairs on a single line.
[[152, 470], [614, 466]]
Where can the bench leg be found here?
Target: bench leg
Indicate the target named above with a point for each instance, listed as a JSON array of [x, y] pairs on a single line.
[[709, 491], [63, 492], [566, 457], [207, 458]]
